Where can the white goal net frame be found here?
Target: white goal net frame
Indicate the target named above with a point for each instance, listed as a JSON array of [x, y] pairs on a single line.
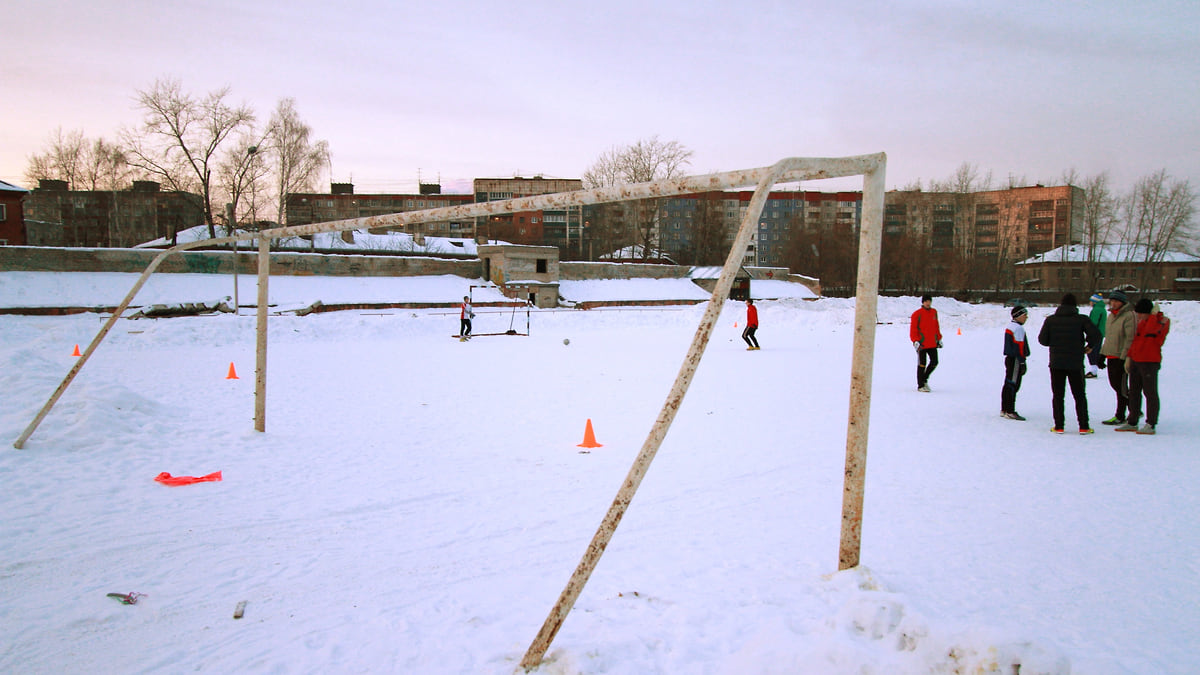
[[871, 167]]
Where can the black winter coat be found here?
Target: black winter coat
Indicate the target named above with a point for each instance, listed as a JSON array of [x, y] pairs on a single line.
[[1066, 333]]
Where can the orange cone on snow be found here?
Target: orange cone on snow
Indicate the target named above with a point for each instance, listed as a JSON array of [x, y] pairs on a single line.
[[960, 331], [735, 324], [232, 373], [76, 352], [589, 437]]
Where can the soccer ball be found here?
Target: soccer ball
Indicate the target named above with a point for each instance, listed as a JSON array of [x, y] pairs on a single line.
[[566, 341]]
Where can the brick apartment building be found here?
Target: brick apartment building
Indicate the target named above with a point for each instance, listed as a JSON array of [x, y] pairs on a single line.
[[561, 228], [343, 204], [58, 216], [12, 214]]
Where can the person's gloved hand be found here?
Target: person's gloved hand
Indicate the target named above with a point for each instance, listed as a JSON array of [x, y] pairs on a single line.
[[917, 346], [1103, 363], [939, 344]]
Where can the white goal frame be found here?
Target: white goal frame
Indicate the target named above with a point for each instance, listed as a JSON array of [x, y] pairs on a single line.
[[871, 167]]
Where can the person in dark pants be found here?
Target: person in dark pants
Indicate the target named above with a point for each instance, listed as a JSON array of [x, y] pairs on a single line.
[[1016, 350], [1120, 326], [1070, 336], [464, 319], [751, 326], [1143, 363], [926, 336]]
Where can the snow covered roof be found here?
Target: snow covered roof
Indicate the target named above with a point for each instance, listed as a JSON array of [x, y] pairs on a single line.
[[5, 186], [1106, 253], [388, 242], [634, 252]]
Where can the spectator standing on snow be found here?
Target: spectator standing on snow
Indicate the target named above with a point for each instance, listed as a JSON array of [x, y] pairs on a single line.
[[751, 326], [464, 319], [926, 337], [1098, 317], [1119, 329], [1143, 363], [1016, 350], [1070, 337]]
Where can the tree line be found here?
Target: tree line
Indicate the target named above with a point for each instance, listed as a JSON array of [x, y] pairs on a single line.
[[197, 144]]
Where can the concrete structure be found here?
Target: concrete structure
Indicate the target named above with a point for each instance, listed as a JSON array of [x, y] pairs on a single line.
[[527, 273], [342, 204], [12, 214], [58, 216], [1081, 270]]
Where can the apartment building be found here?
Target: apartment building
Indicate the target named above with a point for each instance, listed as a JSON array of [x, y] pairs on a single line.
[[58, 216], [561, 228], [343, 204], [12, 214]]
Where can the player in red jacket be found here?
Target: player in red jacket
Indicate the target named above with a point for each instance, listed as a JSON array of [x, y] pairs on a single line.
[[926, 337], [1143, 363], [751, 326]]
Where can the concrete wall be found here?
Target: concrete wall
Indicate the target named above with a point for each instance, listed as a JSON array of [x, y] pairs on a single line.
[[581, 271], [38, 259]]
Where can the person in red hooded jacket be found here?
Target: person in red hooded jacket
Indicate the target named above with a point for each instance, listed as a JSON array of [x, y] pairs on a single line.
[[926, 337], [751, 326], [1143, 364]]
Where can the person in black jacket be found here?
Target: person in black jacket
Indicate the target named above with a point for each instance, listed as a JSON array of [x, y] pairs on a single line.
[[1070, 336]]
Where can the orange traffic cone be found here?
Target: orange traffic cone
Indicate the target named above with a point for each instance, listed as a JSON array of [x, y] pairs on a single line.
[[960, 331], [232, 373], [735, 324], [76, 352], [589, 437]]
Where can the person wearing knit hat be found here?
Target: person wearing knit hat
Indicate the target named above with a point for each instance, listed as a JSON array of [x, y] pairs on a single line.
[[1070, 336], [1016, 350], [1119, 329], [1097, 316], [1143, 363]]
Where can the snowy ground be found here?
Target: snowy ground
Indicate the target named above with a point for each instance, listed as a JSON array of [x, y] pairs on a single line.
[[418, 503]]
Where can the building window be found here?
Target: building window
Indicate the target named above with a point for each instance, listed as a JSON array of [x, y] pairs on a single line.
[[3, 212], [541, 265]]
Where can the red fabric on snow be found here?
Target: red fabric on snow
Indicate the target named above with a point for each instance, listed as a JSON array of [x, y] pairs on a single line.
[[167, 479]]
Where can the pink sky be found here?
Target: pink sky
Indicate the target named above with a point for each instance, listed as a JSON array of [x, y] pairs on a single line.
[[465, 90]]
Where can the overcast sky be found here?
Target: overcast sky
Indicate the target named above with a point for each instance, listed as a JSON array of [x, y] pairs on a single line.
[[491, 89]]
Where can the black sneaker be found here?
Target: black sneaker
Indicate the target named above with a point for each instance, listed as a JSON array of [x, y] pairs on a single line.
[[1013, 416], [1114, 421]]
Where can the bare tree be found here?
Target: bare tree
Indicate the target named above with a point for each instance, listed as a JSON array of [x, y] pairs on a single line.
[[966, 178], [180, 136], [1158, 216], [298, 160], [103, 167], [62, 159], [242, 175], [647, 160]]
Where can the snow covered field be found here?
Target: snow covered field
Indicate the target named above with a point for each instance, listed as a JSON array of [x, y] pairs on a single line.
[[417, 503]]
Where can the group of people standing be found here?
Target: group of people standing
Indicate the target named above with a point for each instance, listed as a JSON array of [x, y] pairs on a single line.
[[1125, 340]]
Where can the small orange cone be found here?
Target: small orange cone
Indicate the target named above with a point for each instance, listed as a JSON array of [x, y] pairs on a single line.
[[232, 373], [589, 437], [76, 352], [960, 331], [735, 324]]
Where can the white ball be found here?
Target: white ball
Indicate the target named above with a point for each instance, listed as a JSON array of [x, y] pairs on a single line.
[[566, 341]]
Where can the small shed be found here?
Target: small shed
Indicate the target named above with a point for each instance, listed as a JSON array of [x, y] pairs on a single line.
[[706, 278], [528, 273]]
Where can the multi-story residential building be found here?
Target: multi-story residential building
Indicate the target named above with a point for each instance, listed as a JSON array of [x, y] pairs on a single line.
[[561, 228], [700, 228], [12, 214], [58, 216], [342, 204], [1004, 225]]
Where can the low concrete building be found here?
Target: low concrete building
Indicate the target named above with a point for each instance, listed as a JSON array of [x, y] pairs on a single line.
[[528, 273]]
